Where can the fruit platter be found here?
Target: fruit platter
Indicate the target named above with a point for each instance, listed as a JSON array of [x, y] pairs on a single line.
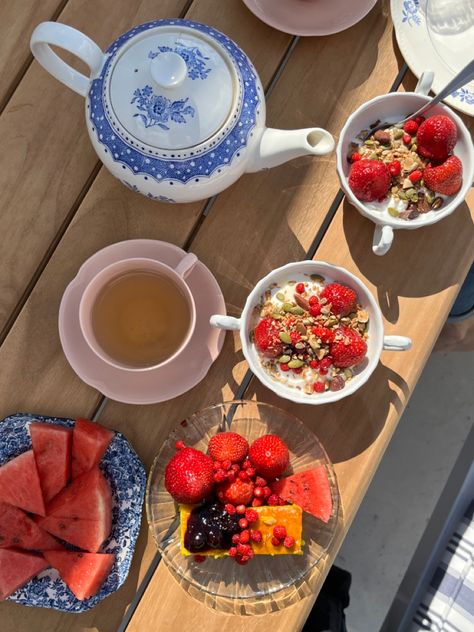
[[70, 508], [242, 501]]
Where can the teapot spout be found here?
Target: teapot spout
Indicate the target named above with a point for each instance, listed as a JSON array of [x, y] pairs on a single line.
[[277, 146]]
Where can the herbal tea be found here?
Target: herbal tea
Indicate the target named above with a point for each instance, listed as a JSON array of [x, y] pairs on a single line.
[[140, 318]]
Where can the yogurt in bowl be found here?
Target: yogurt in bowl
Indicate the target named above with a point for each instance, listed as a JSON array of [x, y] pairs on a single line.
[[390, 213], [320, 350]]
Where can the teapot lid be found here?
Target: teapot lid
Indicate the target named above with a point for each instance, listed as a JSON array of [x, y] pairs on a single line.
[[171, 86]]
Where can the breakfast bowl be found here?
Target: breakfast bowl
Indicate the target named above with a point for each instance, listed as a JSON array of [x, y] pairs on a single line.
[[265, 300], [267, 581], [392, 108]]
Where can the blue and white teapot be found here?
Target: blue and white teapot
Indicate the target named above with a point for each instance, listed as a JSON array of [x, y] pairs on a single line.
[[174, 108]]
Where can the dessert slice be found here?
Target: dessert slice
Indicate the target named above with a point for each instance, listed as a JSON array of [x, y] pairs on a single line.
[[198, 522]]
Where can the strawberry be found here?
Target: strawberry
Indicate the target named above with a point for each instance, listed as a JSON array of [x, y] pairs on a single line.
[[445, 178], [269, 455], [369, 180], [189, 476], [238, 492], [228, 446], [266, 337], [436, 137], [348, 348], [342, 298]]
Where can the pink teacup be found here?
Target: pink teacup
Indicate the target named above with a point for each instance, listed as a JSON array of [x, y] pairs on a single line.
[[106, 275]]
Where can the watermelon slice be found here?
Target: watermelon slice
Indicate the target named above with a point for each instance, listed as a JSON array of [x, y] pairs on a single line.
[[87, 497], [52, 450], [16, 529], [309, 489], [84, 573], [90, 441], [86, 534], [20, 484], [16, 568]]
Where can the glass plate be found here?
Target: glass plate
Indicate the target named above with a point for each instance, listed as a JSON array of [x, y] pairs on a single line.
[[265, 576]]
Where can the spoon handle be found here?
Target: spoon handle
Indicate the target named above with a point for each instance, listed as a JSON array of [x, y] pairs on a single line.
[[463, 77]]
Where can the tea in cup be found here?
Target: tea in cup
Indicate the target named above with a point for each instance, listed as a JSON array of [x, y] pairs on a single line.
[[138, 314]]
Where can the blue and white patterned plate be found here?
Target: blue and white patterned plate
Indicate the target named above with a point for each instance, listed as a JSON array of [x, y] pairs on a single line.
[[426, 46], [126, 475]]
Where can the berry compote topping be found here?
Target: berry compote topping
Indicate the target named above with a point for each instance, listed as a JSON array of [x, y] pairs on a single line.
[[210, 526]]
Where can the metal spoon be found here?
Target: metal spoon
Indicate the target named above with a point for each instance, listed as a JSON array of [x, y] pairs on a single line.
[[464, 76]]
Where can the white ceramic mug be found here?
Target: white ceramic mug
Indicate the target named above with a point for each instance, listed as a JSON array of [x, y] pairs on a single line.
[[394, 107], [119, 268], [376, 342]]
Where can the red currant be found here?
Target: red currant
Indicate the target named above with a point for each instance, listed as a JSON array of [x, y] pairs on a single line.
[[314, 364], [313, 300], [243, 523], [251, 515], [250, 472], [179, 445], [235, 467], [236, 538], [260, 481], [220, 476], [298, 370], [255, 535], [284, 367], [233, 551], [217, 465], [229, 508], [230, 476], [300, 288], [318, 387], [406, 139], [279, 531], [355, 157], [247, 463], [257, 502], [227, 464], [267, 492], [240, 509], [419, 120], [289, 541], [244, 536], [315, 309], [243, 475], [258, 492], [275, 541], [273, 500]]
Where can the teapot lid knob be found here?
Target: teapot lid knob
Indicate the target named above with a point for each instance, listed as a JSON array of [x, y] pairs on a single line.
[[168, 69]]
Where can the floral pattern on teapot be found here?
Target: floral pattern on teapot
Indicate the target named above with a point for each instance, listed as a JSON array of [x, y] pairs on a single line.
[[195, 60], [159, 110]]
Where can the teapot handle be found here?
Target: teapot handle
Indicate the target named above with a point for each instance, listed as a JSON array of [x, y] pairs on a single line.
[[73, 41]]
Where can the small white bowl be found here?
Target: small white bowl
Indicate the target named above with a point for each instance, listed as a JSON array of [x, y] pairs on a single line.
[[375, 344], [394, 107]]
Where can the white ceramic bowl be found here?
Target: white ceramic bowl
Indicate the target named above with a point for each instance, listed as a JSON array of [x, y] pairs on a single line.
[[392, 108], [375, 344]]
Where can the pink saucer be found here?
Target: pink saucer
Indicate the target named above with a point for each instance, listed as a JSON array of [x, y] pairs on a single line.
[[159, 385], [310, 17]]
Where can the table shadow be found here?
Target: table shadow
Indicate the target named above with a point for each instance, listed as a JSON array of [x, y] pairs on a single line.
[[399, 272]]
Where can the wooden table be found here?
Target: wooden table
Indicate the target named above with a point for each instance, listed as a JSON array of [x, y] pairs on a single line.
[[58, 206]]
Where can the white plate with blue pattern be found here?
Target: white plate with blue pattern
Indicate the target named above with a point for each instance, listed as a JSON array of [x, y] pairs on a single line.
[[126, 475], [437, 35]]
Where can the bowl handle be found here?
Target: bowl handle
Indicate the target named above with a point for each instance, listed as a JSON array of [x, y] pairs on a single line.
[[383, 237], [397, 343], [225, 322], [75, 42]]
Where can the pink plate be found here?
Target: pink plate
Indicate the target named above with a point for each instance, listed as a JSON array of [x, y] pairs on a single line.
[[310, 17], [161, 384]]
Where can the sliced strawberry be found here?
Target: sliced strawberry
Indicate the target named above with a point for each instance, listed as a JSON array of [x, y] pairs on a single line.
[[445, 178]]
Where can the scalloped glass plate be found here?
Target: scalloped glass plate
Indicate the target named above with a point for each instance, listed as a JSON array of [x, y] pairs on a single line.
[[126, 475], [265, 576]]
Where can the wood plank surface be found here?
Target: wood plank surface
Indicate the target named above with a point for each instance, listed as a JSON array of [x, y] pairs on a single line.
[[47, 162], [17, 21], [31, 354]]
